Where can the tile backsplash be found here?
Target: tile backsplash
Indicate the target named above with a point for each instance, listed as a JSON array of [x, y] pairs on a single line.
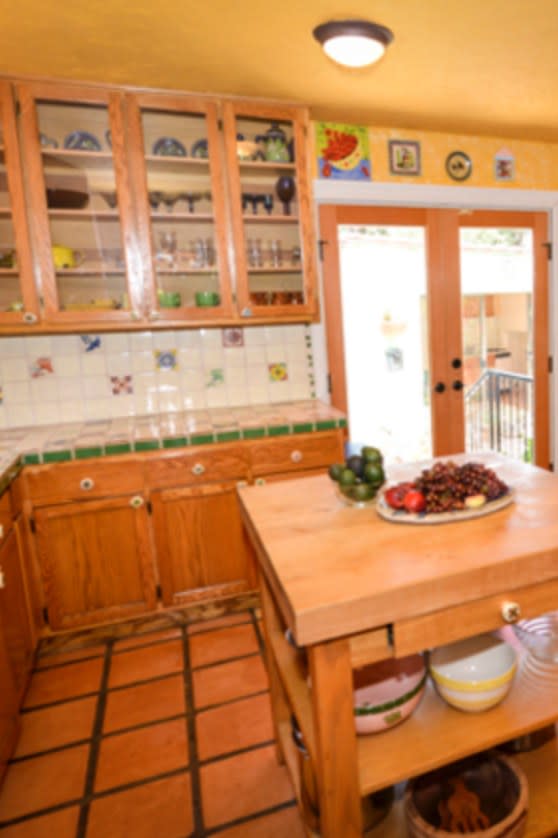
[[68, 378]]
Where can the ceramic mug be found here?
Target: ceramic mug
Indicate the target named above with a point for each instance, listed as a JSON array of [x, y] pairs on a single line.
[[207, 298], [169, 299], [65, 257]]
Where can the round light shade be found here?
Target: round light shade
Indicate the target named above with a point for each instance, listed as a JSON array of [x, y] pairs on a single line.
[[353, 43]]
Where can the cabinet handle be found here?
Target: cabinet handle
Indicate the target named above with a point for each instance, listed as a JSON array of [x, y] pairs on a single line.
[[86, 484], [136, 501], [29, 317], [2, 579], [511, 612], [260, 481], [296, 456], [198, 469]]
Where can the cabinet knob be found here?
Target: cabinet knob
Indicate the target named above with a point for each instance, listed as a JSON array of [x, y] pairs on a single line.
[[240, 484], [246, 312], [87, 483], [296, 456], [29, 317], [2, 579], [136, 501], [511, 612], [198, 468], [259, 481]]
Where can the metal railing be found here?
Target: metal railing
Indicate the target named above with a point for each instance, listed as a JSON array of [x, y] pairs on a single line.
[[499, 414]]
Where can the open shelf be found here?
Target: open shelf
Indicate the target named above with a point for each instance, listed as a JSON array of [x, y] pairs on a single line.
[[75, 215], [182, 164], [70, 159], [270, 219], [264, 166], [295, 269], [182, 216]]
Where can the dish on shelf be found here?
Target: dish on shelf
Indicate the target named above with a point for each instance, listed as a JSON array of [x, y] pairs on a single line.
[[110, 198], [82, 141], [474, 674], [200, 149], [47, 142], [485, 795], [169, 147], [386, 693], [540, 636], [66, 199]]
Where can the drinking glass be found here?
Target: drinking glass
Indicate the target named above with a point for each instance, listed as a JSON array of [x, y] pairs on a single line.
[[255, 257], [276, 253]]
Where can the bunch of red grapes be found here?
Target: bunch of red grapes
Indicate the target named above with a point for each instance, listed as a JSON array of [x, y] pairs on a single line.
[[446, 485]]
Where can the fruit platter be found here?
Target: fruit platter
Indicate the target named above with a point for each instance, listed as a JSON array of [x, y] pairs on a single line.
[[360, 477], [445, 492]]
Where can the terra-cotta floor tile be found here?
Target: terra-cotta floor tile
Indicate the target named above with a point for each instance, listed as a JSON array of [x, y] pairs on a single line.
[[147, 638], [226, 681], [56, 658], [63, 682], [62, 824], [231, 727], [223, 644], [247, 783], [61, 724], [138, 754], [40, 782], [219, 622], [147, 662], [142, 703], [161, 809], [283, 824]]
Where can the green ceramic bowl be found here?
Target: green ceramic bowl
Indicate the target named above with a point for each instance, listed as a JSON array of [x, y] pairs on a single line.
[[207, 298]]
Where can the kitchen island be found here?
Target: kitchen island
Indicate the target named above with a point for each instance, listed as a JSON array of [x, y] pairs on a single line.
[[354, 589]]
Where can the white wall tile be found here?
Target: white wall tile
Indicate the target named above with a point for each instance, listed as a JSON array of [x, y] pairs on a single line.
[[141, 342], [17, 392], [63, 345], [116, 343], [96, 387], [216, 397], [47, 413], [94, 363], [67, 366], [164, 340], [97, 409], [19, 415], [38, 347], [234, 357], [194, 400], [12, 347], [15, 369], [119, 364], [44, 389], [70, 389]]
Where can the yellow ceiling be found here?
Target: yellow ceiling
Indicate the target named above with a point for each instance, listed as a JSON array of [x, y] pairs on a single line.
[[468, 66]]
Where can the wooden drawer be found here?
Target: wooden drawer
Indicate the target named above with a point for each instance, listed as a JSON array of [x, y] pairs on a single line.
[[62, 482], [203, 464], [6, 514], [297, 453], [487, 614]]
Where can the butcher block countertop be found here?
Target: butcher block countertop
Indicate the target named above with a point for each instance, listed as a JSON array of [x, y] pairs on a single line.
[[336, 570]]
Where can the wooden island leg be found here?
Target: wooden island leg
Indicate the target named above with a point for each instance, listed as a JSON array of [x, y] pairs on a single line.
[[336, 745]]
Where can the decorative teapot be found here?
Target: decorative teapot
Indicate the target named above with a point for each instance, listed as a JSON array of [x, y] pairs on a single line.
[[275, 147]]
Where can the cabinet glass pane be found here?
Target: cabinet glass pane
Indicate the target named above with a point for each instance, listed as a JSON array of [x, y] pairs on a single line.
[[10, 293], [181, 208], [266, 155], [85, 229]]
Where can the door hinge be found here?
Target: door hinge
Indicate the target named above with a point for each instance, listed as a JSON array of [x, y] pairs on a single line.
[[220, 124], [550, 363], [548, 246], [329, 382], [551, 466], [149, 507], [18, 107], [32, 526], [159, 592], [321, 245], [45, 615]]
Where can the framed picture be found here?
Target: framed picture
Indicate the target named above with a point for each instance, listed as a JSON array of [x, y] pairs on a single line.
[[343, 151], [404, 157]]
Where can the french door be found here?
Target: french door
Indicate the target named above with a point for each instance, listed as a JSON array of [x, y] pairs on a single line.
[[437, 329]]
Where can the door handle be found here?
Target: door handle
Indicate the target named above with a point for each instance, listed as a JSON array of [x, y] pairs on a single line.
[[457, 384], [439, 387], [456, 363]]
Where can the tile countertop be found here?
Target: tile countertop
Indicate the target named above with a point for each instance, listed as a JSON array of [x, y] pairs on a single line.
[[58, 443]]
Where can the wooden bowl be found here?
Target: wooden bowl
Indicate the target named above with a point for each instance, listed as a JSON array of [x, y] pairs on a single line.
[[498, 785]]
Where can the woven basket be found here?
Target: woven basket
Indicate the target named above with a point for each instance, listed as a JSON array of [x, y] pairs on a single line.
[[500, 784]]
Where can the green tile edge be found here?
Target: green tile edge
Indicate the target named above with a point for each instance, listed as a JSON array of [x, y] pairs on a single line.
[[279, 430], [85, 453], [253, 433], [328, 425], [228, 436], [31, 459], [175, 442], [56, 456], [342, 423], [202, 439], [303, 428], [146, 445], [118, 448]]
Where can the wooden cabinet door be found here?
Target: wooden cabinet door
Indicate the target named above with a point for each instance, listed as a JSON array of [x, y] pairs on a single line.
[[9, 721], [96, 560], [271, 213], [201, 548], [82, 219], [19, 304], [14, 613]]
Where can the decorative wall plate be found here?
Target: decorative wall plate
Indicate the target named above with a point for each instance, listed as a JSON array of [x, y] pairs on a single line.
[[82, 141], [458, 165], [169, 147]]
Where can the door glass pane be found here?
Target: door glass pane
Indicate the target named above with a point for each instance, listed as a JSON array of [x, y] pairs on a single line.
[[85, 230], [497, 275], [181, 206], [383, 287], [270, 211], [10, 293]]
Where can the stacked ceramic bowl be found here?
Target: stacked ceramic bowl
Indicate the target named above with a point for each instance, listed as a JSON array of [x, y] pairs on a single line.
[[474, 674], [386, 693], [540, 636]]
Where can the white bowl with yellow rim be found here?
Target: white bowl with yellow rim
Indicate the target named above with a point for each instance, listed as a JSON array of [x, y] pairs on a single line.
[[474, 674]]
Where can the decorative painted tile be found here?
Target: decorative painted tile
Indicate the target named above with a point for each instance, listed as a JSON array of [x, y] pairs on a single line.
[[91, 342], [121, 384], [165, 359], [278, 372], [233, 337], [216, 377], [40, 367]]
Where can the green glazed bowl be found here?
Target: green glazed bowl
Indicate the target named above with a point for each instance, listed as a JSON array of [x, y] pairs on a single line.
[[207, 298]]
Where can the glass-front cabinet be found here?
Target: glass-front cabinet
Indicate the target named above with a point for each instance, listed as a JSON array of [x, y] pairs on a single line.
[[177, 171], [270, 209], [19, 304], [88, 265]]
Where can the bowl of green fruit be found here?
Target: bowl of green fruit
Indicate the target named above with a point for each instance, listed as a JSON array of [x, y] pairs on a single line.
[[359, 478]]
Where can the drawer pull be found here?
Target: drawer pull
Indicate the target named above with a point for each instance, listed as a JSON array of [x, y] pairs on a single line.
[[29, 317], [136, 501], [260, 481], [511, 612], [1, 530], [198, 468], [2, 579], [86, 484], [296, 456]]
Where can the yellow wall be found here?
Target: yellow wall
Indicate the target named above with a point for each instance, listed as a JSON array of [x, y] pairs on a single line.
[[536, 163]]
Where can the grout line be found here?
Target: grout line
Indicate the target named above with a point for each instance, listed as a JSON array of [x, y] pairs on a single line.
[[65, 700], [259, 634], [54, 750], [226, 660], [280, 807], [95, 745], [238, 752], [195, 779], [37, 813], [60, 665]]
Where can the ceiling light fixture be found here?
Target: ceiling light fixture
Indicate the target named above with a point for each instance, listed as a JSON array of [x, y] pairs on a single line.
[[353, 43]]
